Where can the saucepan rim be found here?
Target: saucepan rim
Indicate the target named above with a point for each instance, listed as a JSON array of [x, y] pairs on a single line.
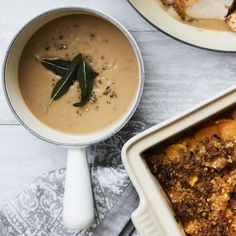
[[139, 58]]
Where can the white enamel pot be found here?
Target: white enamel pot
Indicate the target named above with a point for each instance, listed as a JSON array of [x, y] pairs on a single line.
[[78, 211]]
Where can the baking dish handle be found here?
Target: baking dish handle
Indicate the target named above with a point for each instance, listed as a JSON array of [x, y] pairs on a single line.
[[144, 223], [78, 211], [147, 223]]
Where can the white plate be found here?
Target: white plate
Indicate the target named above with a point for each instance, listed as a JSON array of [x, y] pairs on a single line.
[[209, 39]]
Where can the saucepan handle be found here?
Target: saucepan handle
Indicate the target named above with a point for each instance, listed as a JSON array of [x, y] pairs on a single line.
[[78, 212]]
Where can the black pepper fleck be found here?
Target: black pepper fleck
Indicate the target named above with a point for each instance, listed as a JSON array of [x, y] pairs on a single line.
[[113, 94], [99, 81], [107, 90], [92, 36]]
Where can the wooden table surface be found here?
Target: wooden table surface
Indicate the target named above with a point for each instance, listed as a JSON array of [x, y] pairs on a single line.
[[177, 77]]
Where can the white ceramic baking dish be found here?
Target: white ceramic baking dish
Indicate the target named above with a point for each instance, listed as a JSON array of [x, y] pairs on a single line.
[[154, 216]]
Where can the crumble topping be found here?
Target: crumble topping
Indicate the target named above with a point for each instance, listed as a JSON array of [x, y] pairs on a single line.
[[199, 177]]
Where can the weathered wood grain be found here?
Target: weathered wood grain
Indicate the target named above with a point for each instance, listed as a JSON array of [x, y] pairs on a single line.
[[23, 158]]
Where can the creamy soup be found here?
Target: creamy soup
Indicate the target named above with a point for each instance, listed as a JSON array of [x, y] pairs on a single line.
[[104, 48]]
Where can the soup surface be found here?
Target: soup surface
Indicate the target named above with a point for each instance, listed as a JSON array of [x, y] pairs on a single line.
[[104, 48]]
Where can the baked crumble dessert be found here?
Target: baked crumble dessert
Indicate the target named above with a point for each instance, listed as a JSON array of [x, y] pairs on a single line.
[[198, 174]]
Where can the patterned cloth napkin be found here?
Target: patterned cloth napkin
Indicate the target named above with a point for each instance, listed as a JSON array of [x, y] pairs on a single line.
[[37, 211]]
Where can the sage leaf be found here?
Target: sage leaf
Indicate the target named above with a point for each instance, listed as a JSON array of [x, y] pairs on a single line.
[[70, 71], [63, 85], [57, 66], [86, 76], [60, 88]]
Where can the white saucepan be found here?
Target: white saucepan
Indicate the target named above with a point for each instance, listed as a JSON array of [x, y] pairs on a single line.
[[78, 200]]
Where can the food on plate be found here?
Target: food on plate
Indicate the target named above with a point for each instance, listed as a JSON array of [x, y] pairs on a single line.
[[198, 174], [231, 21], [167, 2], [202, 9], [204, 13], [78, 74]]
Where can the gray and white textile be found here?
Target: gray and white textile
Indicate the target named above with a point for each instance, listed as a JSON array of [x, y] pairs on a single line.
[[37, 211]]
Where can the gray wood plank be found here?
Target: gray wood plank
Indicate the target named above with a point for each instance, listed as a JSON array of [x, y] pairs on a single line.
[[179, 77], [24, 158]]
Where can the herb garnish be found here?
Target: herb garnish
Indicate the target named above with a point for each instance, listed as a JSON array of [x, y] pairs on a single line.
[[63, 85], [57, 66], [85, 76], [70, 71]]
